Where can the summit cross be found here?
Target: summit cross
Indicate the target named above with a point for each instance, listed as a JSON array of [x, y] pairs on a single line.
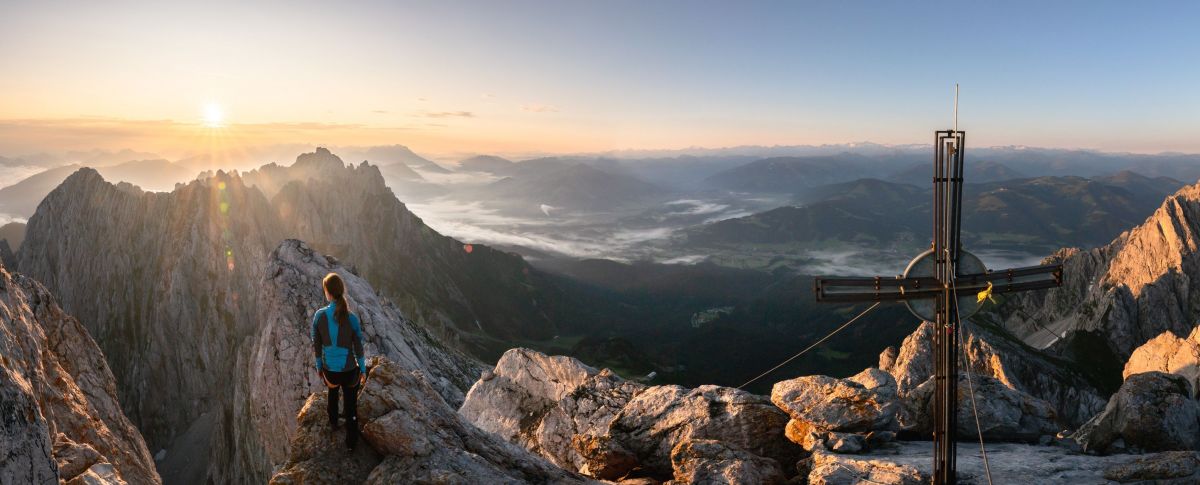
[[936, 286]]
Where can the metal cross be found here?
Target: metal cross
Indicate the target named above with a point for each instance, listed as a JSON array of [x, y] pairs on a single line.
[[932, 287]]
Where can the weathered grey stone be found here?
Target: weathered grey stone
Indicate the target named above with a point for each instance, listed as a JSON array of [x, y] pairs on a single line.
[[73, 458], [1168, 353], [1152, 411], [827, 412], [910, 462], [581, 415], [102, 473], [1117, 297], [832, 469], [603, 426], [846, 442], [1005, 414], [59, 415], [659, 418], [525, 385], [831, 404], [412, 436], [275, 369], [1170, 465], [714, 462], [1001, 357]]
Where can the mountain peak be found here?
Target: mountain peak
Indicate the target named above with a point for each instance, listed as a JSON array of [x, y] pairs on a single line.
[[321, 159]]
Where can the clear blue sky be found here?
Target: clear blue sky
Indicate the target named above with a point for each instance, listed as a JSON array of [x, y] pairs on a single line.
[[570, 75]]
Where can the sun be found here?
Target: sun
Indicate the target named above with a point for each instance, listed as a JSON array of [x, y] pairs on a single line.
[[214, 116]]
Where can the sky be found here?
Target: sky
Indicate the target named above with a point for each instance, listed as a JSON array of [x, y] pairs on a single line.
[[462, 77]]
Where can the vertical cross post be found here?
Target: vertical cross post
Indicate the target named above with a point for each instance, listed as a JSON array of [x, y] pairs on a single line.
[[947, 216]]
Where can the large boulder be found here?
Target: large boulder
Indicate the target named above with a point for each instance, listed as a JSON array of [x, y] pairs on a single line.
[[713, 462], [992, 352], [606, 427], [661, 417], [412, 436], [1168, 353], [823, 410], [511, 399], [1152, 411], [1005, 414], [833, 469], [574, 433]]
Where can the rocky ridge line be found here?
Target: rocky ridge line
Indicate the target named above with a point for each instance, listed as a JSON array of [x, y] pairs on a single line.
[[59, 416]]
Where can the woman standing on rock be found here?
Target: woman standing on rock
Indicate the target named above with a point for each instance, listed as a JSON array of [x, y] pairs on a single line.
[[338, 346]]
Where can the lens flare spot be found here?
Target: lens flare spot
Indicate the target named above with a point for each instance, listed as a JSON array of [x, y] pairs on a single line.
[[468, 248], [224, 207], [220, 185]]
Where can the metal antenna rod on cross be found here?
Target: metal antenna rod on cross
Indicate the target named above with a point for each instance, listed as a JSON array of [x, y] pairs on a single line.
[[939, 286]]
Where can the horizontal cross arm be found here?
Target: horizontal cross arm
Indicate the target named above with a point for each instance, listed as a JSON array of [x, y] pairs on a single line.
[[879, 288]]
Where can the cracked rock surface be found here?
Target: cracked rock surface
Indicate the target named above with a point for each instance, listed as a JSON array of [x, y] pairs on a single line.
[[59, 416]]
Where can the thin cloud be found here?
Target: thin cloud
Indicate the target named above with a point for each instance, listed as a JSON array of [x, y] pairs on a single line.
[[539, 108], [448, 114], [379, 111]]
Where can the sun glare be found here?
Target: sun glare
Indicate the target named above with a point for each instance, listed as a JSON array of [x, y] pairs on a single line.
[[214, 116]]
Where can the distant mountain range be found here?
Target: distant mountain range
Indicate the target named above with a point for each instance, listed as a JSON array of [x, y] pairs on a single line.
[[549, 184], [22, 198], [486, 163], [981, 172], [1044, 212], [390, 154], [791, 174]]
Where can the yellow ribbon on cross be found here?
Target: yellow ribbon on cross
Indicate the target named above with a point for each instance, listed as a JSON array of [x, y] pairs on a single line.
[[986, 294]]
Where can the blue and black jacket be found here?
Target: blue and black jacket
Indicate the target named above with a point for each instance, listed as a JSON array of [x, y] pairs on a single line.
[[336, 349]]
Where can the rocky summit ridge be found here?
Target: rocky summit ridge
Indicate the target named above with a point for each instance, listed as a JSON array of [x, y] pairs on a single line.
[[170, 284], [59, 416]]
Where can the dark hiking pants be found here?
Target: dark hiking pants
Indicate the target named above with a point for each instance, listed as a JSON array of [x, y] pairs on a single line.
[[345, 383]]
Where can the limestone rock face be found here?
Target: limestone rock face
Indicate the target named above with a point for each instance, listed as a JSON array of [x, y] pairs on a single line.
[[1152, 411], [574, 433], [659, 418], [998, 356], [412, 436], [596, 423], [511, 400], [169, 283], [832, 469], [8, 257], [1171, 354], [824, 410], [275, 372], [710, 461], [557, 407], [1120, 295], [1005, 414], [165, 283], [59, 416]]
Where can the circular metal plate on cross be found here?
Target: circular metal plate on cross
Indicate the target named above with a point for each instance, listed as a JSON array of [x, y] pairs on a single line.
[[922, 266]]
